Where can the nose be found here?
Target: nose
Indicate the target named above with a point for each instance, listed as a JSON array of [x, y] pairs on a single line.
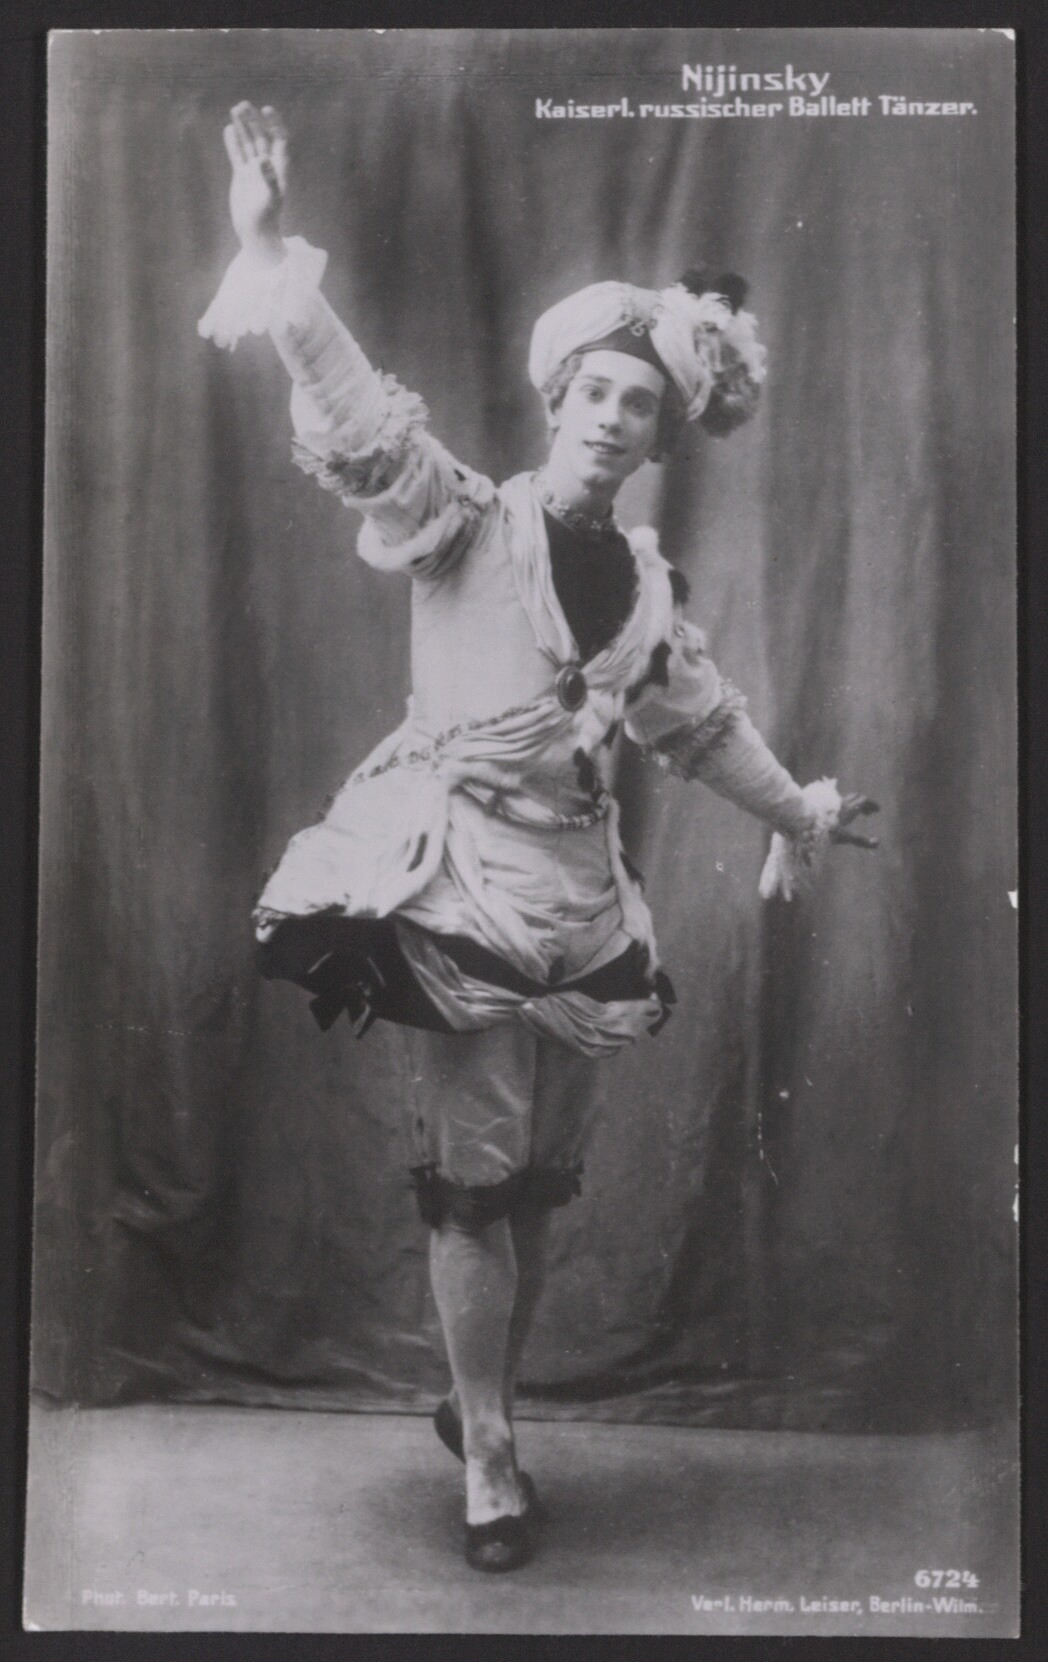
[[610, 418]]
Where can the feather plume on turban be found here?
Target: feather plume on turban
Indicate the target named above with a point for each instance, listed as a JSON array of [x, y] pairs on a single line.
[[701, 341]]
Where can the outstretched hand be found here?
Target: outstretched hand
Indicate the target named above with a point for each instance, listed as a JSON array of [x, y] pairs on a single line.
[[792, 860], [851, 807], [256, 143]]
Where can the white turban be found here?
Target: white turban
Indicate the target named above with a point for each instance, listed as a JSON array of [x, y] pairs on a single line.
[[694, 336]]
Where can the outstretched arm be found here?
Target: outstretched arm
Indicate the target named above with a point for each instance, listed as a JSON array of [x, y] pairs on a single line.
[[727, 753], [695, 723], [273, 285], [359, 433]]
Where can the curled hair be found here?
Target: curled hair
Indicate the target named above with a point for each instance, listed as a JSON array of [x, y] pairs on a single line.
[[671, 409]]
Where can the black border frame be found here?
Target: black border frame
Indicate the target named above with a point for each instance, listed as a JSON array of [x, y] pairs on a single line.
[[23, 35]]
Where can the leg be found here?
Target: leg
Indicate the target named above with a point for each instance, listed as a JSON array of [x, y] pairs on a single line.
[[475, 1283], [530, 1231], [471, 1098], [484, 1107], [565, 1101]]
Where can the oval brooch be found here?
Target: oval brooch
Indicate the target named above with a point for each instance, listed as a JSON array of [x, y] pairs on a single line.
[[570, 687]]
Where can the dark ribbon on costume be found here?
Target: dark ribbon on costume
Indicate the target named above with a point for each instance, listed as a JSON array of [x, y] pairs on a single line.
[[356, 965]]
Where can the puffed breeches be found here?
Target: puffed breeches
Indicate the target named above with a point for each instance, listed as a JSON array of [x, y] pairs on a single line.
[[499, 1120]]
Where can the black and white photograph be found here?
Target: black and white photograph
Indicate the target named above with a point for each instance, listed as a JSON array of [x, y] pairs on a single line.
[[526, 1132]]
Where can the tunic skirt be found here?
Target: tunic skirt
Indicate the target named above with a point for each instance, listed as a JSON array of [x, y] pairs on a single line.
[[468, 881]]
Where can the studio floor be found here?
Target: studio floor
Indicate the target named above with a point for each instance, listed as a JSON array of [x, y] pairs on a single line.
[[177, 1518]]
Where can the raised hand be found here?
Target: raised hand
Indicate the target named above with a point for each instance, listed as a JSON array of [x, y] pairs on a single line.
[[256, 143], [851, 807]]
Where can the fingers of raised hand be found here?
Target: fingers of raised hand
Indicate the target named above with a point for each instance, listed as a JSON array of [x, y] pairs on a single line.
[[250, 129], [258, 140], [273, 125], [234, 146], [276, 133]]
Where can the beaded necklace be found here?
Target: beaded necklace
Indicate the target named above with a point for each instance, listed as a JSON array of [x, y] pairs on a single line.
[[588, 524]]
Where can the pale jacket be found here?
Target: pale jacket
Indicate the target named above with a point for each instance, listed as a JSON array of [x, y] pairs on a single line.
[[487, 813]]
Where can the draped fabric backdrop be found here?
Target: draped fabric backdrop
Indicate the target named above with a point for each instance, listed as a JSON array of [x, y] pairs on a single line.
[[798, 1207]]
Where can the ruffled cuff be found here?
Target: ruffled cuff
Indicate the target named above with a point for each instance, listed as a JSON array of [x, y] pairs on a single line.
[[251, 293], [793, 861], [684, 749], [354, 470]]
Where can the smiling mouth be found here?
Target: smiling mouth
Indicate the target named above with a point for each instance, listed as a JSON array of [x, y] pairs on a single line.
[[602, 448]]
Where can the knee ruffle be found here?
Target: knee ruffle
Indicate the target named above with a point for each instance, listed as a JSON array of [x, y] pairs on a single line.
[[472, 1207]]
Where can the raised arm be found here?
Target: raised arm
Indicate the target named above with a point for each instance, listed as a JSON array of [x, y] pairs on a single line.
[[359, 433]]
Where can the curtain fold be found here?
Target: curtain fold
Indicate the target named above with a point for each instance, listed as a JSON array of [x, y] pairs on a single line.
[[798, 1205]]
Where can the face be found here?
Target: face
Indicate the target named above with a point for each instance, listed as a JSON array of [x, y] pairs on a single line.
[[606, 424]]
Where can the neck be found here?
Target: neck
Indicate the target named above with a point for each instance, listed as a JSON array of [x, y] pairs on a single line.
[[592, 499]]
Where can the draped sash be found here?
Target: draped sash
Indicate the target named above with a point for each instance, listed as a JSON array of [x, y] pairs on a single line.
[[400, 818]]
